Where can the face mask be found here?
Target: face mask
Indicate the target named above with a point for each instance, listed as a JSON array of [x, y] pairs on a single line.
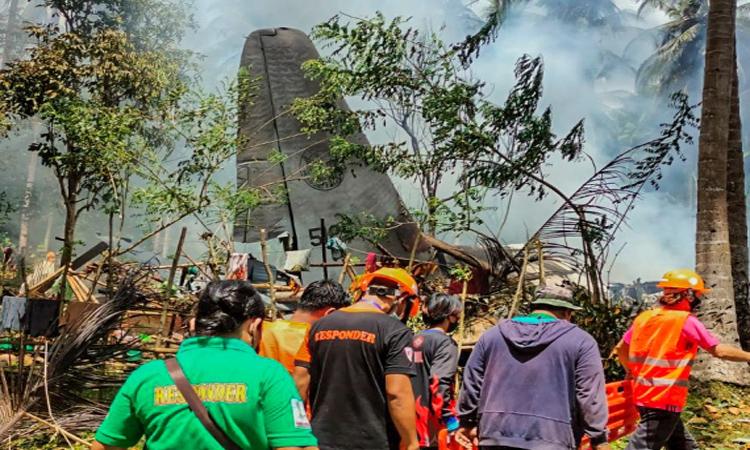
[[453, 326]]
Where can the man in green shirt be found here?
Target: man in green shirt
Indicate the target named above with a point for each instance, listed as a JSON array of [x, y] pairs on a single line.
[[252, 399]]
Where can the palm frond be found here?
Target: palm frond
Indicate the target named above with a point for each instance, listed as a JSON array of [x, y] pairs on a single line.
[[74, 362], [583, 12], [496, 14], [654, 4], [664, 68], [598, 209]]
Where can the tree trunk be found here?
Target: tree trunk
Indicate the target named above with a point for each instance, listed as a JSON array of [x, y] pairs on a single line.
[[712, 248], [23, 232], [737, 213], [68, 235], [48, 231], [71, 220], [11, 31]]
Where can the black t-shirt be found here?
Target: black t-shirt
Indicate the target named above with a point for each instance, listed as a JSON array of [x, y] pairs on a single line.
[[436, 359], [348, 354]]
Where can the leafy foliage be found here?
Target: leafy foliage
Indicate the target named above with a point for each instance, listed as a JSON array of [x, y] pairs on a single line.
[[101, 99], [591, 13], [448, 127], [123, 127], [5, 208], [363, 226], [599, 207]]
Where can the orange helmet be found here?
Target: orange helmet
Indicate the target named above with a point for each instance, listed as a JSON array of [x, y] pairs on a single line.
[[399, 276], [683, 279]]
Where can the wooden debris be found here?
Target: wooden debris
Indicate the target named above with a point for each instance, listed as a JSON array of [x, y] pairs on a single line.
[[269, 272]]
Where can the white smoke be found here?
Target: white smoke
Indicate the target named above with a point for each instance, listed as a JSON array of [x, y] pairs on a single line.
[[589, 72]]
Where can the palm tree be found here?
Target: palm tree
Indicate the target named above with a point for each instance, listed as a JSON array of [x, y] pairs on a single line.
[[737, 213], [675, 66], [586, 13], [677, 62], [712, 247]]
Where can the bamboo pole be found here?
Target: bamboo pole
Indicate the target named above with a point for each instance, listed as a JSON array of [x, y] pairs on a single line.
[[519, 289], [196, 264], [269, 272], [462, 318], [345, 268], [540, 253], [413, 252], [170, 283], [57, 428]]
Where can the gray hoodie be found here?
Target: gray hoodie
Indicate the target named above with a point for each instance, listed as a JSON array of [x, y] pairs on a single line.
[[535, 386]]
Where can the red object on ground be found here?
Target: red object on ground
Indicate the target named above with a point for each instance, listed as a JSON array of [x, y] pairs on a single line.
[[623, 416]]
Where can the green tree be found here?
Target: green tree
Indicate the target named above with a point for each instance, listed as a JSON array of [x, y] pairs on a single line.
[[454, 144], [680, 45], [94, 97], [102, 87]]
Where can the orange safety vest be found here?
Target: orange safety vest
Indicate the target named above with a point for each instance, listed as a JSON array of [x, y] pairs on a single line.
[[281, 340], [660, 361]]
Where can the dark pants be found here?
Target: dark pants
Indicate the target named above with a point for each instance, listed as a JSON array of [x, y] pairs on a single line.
[[659, 428]]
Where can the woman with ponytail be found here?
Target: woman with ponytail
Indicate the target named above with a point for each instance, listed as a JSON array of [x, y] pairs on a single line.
[[252, 401]]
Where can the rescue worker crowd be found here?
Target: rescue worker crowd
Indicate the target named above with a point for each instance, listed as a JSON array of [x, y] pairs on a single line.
[[351, 376]]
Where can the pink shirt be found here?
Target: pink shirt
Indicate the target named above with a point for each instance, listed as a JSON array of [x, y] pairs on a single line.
[[693, 331]]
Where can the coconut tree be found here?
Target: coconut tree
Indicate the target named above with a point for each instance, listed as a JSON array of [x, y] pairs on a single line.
[[588, 13], [737, 213], [680, 44], [712, 246], [676, 65]]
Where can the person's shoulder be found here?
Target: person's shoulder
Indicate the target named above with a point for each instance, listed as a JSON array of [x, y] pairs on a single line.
[[150, 372], [437, 337], [282, 326], [269, 370], [390, 324], [581, 337], [494, 331], [268, 365]]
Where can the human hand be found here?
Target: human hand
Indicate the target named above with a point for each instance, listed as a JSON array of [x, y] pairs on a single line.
[[604, 446], [467, 438]]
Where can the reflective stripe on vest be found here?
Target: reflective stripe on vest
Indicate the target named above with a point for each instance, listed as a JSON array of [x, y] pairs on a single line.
[[667, 363], [660, 359], [661, 382]]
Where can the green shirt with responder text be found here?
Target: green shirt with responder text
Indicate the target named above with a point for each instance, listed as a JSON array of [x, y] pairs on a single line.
[[252, 399]]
